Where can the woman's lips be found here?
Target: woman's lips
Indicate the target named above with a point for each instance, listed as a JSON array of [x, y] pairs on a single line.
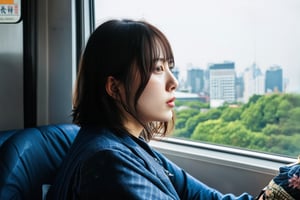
[[171, 102]]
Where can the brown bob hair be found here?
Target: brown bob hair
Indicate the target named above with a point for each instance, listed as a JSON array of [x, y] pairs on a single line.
[[123, 49]]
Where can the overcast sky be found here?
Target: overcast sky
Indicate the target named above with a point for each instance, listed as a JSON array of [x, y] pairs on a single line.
[[211, 31]]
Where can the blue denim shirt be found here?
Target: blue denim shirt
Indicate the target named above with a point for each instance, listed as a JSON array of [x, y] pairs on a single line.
[[104, 165]]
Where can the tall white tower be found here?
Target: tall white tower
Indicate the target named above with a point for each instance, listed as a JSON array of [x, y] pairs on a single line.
[[254, 82]]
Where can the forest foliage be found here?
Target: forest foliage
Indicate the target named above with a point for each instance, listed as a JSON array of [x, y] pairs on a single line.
[[267, 123]]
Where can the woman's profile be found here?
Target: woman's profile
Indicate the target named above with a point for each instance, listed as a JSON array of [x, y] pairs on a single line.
[[124, 97]]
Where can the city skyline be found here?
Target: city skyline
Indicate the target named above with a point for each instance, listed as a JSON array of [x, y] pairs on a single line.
[[265, 32], [253, 81]]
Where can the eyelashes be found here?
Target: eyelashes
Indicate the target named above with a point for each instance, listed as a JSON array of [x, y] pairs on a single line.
[[162, 64]]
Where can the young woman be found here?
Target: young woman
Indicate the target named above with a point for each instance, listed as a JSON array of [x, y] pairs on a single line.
[[124, 97]]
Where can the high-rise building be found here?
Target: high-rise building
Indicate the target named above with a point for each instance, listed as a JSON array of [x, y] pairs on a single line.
[[222, 83], [274, 80], [176, 72], [239, 88], [254, 82], [195, 80]]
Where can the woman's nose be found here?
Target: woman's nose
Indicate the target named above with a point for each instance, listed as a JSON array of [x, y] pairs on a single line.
[[172, 82]]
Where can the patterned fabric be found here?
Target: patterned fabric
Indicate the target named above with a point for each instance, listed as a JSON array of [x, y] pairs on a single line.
[[276, 192], [286, 185], [104, 165]]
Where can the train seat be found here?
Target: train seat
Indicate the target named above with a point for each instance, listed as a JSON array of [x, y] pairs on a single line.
[[4, 135], [29, 159]]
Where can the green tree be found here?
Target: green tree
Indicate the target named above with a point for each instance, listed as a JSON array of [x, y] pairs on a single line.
[[197, 105], [270, 103], [268, 123], [292, 125], [214, 114], [281, 144], [182, 133], [180, 123], [205, 131], [283, 109], [231, 114], [253, 99], [186, 113], [234, 134], [294, 99], [192, 122], [272, 129], [252, 117]]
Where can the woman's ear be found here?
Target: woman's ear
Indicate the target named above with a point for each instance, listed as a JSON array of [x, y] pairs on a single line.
[[112, 87]]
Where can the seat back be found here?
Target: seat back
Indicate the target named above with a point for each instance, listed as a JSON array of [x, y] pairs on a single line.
[[4, 135], [31, 157]]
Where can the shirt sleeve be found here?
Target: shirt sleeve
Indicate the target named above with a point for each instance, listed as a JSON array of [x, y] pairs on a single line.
[[189, 187], [119, 174]]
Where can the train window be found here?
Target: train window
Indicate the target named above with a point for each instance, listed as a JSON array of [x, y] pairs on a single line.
[[238, 67], [10, 11]]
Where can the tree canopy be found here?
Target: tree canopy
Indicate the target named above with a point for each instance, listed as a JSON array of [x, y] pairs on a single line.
[[268, 123]]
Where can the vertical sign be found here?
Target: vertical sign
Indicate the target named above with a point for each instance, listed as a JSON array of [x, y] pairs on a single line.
[[10, 11]]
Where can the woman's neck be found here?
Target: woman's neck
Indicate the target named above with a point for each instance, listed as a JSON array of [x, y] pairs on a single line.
[[133, 127]]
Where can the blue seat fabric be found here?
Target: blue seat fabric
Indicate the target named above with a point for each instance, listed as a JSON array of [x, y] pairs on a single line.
[[31, 157]]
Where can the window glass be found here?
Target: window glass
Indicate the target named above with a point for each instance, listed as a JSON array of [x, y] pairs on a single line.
[[238, 65]]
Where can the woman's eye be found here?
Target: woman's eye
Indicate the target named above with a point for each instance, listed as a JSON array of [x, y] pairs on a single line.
[[171, 65], [159, 68]]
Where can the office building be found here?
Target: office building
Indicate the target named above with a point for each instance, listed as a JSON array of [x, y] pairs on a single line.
[[195, 80], [274, 80], [222, 78]]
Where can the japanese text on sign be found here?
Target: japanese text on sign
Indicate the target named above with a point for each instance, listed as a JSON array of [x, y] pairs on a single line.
[[10, 11]]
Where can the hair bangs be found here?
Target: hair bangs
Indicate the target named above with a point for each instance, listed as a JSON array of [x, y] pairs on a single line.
[[161, 47]]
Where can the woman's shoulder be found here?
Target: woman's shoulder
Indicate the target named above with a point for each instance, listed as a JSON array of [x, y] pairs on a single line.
[[92, 140], [106, 148], [98, 137]]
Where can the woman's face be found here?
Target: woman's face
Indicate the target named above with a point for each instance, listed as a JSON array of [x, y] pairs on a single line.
[[157, 100]]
